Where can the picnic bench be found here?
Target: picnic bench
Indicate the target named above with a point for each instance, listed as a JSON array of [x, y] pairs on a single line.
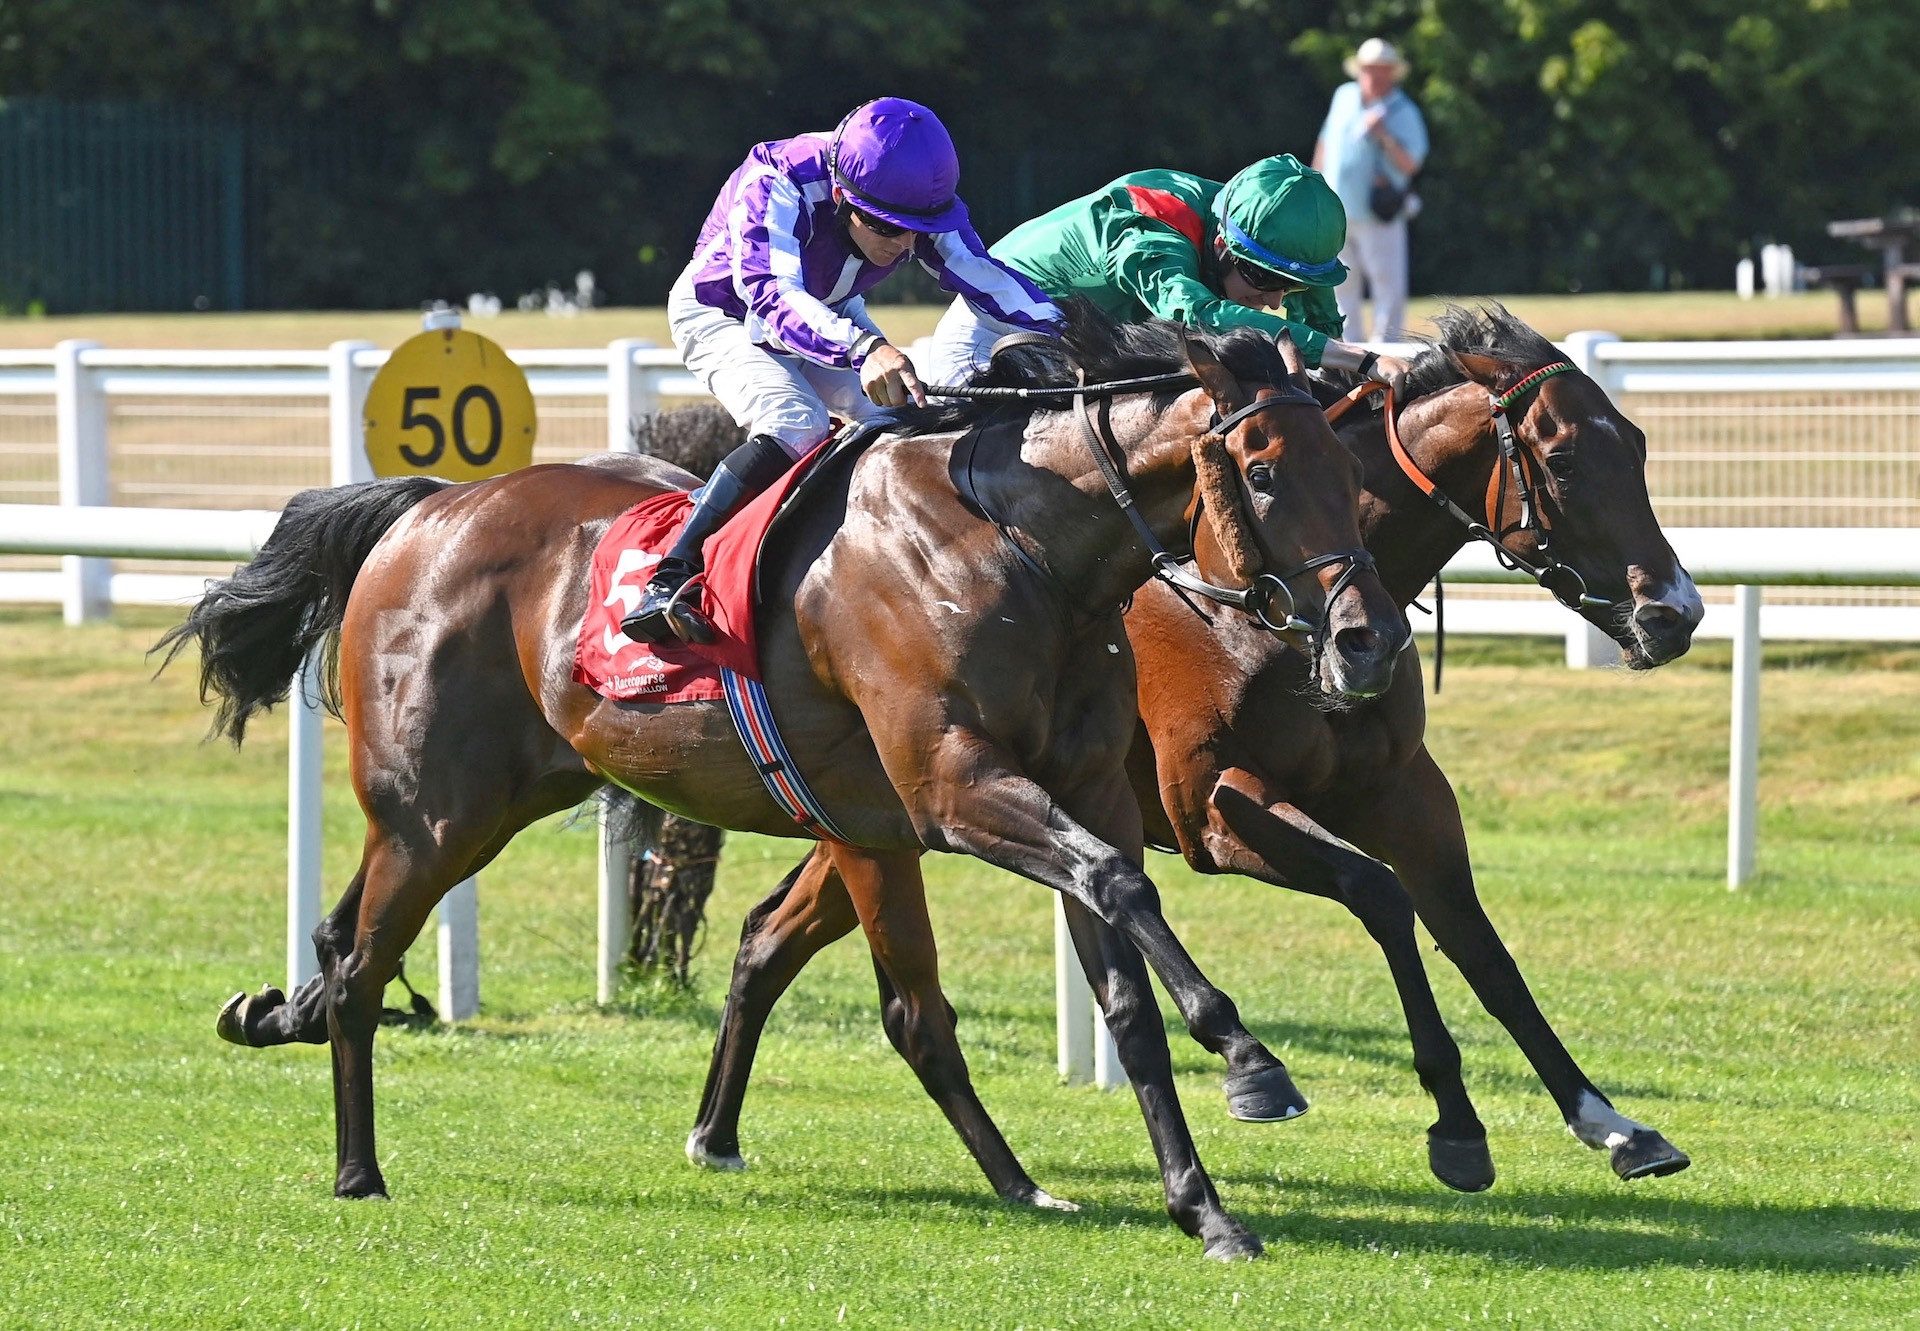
[[1892, 235]]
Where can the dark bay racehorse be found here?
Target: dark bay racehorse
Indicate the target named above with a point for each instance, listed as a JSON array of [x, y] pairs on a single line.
[[1242, 769], [942, 639]]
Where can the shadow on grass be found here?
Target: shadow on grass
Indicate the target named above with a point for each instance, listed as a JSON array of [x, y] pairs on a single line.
[[1567, 1231]]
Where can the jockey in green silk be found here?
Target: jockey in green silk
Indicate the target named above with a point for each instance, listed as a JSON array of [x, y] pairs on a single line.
[[1261, 251]]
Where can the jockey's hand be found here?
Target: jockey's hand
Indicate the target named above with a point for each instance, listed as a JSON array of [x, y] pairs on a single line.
[[888, 380], [1390, 368]]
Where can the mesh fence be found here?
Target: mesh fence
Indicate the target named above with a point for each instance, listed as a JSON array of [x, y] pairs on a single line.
[[1827, 459]]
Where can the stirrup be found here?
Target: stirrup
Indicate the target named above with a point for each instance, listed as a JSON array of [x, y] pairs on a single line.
[[663, 615], [686, 620]]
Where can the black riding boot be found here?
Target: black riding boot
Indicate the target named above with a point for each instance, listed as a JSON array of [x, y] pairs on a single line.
[[744, 473]]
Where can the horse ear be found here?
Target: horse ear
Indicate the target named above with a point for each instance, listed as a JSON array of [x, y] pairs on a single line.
[[1295, 362], [1221, 386], [1483, 370]]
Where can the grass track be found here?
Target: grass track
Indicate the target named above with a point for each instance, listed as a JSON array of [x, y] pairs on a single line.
[[156, 1177]]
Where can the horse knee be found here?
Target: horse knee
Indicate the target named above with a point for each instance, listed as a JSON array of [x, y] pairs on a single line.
[[1119, 892], [1379, 901]]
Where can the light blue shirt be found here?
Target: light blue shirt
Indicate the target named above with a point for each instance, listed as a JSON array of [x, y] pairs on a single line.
[[1353, 159]]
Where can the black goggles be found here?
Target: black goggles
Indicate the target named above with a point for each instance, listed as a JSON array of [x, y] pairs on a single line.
[[1261, 279], [880, 226]]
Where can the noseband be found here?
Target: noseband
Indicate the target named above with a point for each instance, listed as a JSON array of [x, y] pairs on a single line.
[[1561, 581], [1259, 597]]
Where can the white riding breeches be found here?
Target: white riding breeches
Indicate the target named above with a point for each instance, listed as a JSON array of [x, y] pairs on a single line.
[[961, 342], [788, 398]]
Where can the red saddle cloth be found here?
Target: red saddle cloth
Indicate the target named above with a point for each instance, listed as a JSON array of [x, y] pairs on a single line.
[[614, 665]]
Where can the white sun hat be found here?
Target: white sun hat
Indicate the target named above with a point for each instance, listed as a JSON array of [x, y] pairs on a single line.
[[1376, 51]]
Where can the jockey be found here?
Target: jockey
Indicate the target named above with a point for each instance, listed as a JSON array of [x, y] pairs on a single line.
[[1262, 251], [770, 317]]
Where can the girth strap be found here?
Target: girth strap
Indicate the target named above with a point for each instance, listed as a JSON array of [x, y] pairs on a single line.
[[753, 719]]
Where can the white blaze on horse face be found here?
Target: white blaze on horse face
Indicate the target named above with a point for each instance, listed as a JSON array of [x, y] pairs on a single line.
[[1600, 1125]]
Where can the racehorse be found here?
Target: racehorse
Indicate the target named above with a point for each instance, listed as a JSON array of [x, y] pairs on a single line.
[[941, 633], [1242, 770]]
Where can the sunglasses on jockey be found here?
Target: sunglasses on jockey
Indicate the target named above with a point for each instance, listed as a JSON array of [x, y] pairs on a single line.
[[1262, 279], [880, 226]]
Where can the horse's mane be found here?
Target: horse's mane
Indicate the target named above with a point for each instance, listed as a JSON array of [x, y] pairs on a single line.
[[1106, 350], [1489, 330]]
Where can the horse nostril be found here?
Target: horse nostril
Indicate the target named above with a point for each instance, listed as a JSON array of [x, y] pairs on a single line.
[[1656, 617], [1359, 642]]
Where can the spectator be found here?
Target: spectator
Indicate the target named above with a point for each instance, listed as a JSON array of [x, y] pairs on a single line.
[[1372, 146]]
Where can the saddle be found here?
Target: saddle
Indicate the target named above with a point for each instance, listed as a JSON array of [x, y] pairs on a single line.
[[614, 665]]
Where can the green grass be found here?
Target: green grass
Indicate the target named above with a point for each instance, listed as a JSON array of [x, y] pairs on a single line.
[[156, 1177], [1690, 315]]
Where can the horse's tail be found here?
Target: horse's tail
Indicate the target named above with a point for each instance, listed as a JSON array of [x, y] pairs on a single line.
[[255, 628]]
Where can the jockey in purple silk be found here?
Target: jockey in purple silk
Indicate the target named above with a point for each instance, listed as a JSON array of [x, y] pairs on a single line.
[[770, 314]]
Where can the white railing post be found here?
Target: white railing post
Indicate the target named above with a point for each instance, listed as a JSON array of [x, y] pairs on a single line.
[[80, 425], [1588, 648], [615, 920], [347, 386], [1107, 1072], [303, 823], [1583, 349], [630, 393], [459, 939], [1743, 760], [1073, 1004]]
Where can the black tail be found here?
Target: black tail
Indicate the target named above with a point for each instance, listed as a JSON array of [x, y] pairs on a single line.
[[255, 628]]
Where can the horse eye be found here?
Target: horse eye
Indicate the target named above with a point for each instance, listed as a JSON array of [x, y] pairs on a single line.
[[1260, 476], [1560, 463]]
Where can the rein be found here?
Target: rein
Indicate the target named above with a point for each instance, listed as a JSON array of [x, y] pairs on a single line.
[[1258, 597], [1560, 580]]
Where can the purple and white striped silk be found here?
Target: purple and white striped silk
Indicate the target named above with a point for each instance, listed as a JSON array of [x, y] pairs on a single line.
[[772, 256]]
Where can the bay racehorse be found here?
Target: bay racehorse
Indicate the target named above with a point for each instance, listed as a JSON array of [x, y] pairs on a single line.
[[942, 640], [1243, 767]]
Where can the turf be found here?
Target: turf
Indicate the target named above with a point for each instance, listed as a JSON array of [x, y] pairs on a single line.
[[157, 1178]]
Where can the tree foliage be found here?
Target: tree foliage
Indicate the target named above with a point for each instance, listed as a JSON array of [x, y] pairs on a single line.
[[503, 143]]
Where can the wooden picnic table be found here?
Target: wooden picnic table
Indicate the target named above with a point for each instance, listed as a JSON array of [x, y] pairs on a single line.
[[1891, 235]]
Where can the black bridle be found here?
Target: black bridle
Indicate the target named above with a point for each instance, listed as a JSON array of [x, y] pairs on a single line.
[[1258, 598], [1560, 580]]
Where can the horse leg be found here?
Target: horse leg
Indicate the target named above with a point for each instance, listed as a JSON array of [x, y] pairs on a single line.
[[401, 879], [1250, 830], [1415, 826], [889, 896], [806, 912], [978, 803], [1113, 966]]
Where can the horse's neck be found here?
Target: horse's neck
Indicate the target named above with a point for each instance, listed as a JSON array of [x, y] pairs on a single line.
[[1410, 537], [1068, 512]]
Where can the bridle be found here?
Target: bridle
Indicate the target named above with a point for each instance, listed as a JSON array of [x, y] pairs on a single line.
[[1260, 596], [1560, 580]]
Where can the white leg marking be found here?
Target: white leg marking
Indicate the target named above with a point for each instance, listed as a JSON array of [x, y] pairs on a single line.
[[707, 1160], [1600, 1125]]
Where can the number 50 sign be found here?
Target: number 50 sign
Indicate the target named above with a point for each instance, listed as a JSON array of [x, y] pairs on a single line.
[[449, 403]]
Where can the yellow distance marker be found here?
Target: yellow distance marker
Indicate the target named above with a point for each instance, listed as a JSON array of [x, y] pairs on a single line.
[[449, 403]]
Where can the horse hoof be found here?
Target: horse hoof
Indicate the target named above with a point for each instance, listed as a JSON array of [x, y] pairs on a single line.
[[1646, 1154], [1462, 1163], [1043, 1200], [228, 1025], [705, 1159], [1267, 1096], [361, 1187], [1238, 1244], [237, 1012]]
